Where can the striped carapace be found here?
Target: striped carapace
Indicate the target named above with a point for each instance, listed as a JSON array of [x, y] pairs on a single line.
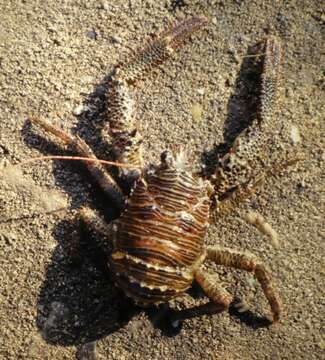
[[158, 240], [157, 244]]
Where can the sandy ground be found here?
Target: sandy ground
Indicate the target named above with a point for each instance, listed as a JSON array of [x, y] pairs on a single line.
[[54, 57]]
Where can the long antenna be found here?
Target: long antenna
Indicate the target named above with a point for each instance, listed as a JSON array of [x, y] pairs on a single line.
[[76, 158]]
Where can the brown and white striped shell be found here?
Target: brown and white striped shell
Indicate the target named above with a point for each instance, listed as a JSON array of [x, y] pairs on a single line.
[[158, 240]]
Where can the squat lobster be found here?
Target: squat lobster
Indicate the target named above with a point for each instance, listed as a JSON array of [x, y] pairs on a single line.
[[157, 244]]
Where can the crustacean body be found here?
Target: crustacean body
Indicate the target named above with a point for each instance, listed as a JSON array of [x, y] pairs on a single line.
[[157, 244], [159, 237]]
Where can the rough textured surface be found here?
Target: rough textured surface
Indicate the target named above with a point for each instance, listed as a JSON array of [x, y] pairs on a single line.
[[54, 57]]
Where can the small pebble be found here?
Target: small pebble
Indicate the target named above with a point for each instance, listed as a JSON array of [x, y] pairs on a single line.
[[200, 91], [79, 110], [196, 111], [301, 186], [295, 135], [92, 34], [321, 344], [116, 39], [241, 306], [175, 324], [105, 6]]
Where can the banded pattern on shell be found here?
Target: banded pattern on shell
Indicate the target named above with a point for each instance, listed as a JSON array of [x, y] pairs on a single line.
[[159, 238]]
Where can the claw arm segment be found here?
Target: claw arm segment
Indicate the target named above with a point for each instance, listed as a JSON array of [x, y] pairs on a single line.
[[247, 161], [121, 129], [270, 78], [158, 49], [244, 261], [103, 178], [212, 288]]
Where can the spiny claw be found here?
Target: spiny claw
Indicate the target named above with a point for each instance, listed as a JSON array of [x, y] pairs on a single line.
[[121, 128], [157, 50], [270, 78], [179, 32]]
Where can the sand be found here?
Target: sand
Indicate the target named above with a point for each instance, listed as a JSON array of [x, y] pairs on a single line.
[[54, 57]]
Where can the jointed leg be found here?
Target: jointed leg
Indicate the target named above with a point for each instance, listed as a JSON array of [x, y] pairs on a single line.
[[220, 299], [105, 181], [228, 201], [244, 261], [215, 292], [96, 222]]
